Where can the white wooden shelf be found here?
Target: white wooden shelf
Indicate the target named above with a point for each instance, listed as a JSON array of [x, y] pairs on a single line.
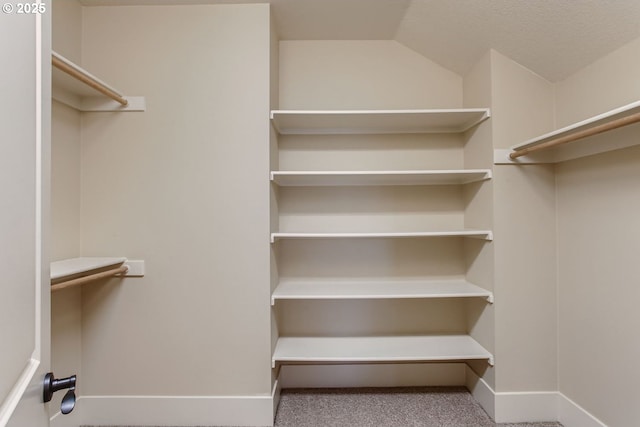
[[79, 266], [322, 289], [303, 122], [582, 147], [478, 234], [430, 348], [82, 97], [361, 178], [78, 271]]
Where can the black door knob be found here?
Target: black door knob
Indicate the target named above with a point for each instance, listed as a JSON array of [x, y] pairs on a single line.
[[51, 385]]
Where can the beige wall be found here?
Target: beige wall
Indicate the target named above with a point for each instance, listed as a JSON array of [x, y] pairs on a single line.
[[362, 75], [66, 309], [598, 247], [67, 29], [608, 83], [523, 103], [524, 231], [182, 186], [599, 242], [525, 278], [65, 182]]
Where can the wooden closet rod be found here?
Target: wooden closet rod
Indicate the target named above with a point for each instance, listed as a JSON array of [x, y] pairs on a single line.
[[614, 124], [82, 280], [87, 79]]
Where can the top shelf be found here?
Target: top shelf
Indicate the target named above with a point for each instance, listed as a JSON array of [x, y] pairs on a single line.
[[581, 139], [74, 86], [309, 122]]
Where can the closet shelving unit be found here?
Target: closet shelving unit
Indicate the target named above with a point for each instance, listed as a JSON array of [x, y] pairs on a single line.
[[576, 140], [377, 349], [77, 88]]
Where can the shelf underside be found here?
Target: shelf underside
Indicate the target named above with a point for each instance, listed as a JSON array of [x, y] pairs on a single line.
[[322, 289], [432, 348], [377, 121], [477, 234], [360, 178]]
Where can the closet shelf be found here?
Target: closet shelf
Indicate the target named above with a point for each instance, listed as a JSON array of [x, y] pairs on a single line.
[[576, 140], [478, 234], [395, 177], [76, 87], [323, 289], [430, 348], [78, 271], [328, 122]]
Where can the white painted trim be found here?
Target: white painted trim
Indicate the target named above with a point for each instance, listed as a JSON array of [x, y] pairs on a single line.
[[570, 414], [503, 407], [74, 419], [520, 407], [15, 394], [85, 410], [90, 409], [512, 407], [481, 391], [372, 375], [179, 410], [275, 396]]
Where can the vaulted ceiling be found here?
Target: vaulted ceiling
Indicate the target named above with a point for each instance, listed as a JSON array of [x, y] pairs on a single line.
[[553, 38]]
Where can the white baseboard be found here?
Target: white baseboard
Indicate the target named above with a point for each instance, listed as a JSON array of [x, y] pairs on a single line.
[[514, 407], [503, 407], [520, 407], [275, 395], [570, 414], [372, 375], [172, 410], [481, 391], [74, 419]]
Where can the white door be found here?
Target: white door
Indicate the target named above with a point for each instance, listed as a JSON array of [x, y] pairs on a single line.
[[24, 211]]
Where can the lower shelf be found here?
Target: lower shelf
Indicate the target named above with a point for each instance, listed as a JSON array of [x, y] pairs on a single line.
[[300, 289], [432, 348]]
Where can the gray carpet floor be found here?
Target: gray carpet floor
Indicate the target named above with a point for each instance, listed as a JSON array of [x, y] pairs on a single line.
[[384, 407]]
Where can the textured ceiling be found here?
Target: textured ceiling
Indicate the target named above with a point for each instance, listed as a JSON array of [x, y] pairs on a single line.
[[554, 38]]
